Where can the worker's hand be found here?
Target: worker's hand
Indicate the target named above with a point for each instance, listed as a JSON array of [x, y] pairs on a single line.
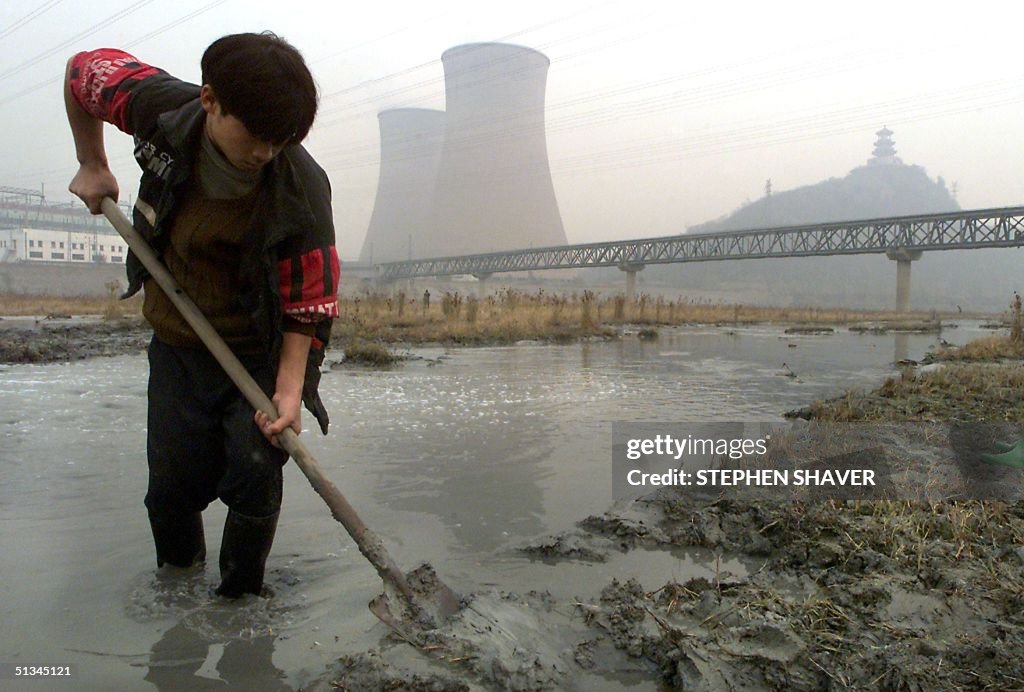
[[92, 183], [289, 415]]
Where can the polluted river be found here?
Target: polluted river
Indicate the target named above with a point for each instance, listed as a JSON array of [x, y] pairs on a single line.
[[459, 457]]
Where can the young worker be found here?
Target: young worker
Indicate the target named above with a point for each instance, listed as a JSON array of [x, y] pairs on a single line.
[[240, 214]]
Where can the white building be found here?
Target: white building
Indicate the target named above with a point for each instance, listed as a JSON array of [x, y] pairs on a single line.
[[45, 245]]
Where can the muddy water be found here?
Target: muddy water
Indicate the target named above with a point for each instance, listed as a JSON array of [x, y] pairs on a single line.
[[457, 457]]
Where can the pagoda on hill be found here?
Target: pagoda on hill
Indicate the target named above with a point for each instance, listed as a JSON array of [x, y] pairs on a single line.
[[884, 152]]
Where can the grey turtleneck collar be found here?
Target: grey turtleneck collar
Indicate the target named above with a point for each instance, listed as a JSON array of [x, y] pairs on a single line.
[[218, 179]]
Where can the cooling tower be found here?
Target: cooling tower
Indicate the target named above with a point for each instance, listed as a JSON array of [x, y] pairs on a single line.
[[494, 188], [410, 149]]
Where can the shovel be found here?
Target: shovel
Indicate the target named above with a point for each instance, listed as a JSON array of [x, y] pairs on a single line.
[[410, 603]]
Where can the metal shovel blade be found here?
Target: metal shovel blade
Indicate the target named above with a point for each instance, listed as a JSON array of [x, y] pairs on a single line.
[[425, 604]]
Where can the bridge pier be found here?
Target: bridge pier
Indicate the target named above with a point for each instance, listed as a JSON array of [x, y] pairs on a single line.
[[903, 258], [481, 287], [631, 269]]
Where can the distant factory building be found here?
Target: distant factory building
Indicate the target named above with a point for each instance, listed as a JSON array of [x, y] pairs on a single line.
[[34, 230], [48, 245], [490, 182]]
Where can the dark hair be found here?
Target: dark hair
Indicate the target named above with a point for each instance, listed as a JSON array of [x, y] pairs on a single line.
[[262, 80]]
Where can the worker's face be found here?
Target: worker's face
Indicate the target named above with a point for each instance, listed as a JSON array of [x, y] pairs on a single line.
[[233, 139]]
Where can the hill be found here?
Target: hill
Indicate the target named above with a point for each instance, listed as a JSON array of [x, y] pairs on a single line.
[[885, 186]]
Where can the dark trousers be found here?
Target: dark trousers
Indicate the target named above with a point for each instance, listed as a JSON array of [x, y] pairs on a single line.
[[202, 441]]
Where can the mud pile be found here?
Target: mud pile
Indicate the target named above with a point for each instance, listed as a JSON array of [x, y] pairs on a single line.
[[61, 338], [855, 593], [881, 594]]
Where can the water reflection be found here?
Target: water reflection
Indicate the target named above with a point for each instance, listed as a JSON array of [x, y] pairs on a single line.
[[179, 661], [901, 347], [481, 479], [495, 443], [470, 447]]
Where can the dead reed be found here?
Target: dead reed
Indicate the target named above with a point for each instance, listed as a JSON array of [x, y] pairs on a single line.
[[510, 315], [975, 391], [503, 317], [109, 306]]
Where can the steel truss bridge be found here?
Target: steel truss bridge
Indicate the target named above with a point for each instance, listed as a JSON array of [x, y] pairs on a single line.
[[902, 238]]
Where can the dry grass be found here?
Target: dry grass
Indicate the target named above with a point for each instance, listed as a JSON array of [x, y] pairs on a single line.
[[980, 381], [977, 391], [17, 305], [988, 348], [504, 317], [24, 305], [510, 315], [1017, 320], [905, 531], [368, 353]]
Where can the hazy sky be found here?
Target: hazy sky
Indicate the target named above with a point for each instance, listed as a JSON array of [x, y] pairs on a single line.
[[660, 115]]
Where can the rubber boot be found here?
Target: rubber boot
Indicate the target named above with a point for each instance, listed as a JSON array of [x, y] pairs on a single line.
[[179, 539], [243, 553], [1011, 454]]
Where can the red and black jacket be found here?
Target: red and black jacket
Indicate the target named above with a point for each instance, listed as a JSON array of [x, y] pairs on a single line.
[[291, 266]]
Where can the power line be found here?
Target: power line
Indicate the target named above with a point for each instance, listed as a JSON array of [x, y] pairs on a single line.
[[348, 49], [156, 32], [437, 94], [993, 94], [29, 17], [429, 63], [117, 16], [176, 22], [659, 102]]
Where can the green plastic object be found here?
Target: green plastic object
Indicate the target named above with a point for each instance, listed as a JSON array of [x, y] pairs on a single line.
[[1011, 454]]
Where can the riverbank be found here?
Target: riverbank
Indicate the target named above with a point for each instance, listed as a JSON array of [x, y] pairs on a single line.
[[57, 338], [54, 329], [879, 594], [982, 381]]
